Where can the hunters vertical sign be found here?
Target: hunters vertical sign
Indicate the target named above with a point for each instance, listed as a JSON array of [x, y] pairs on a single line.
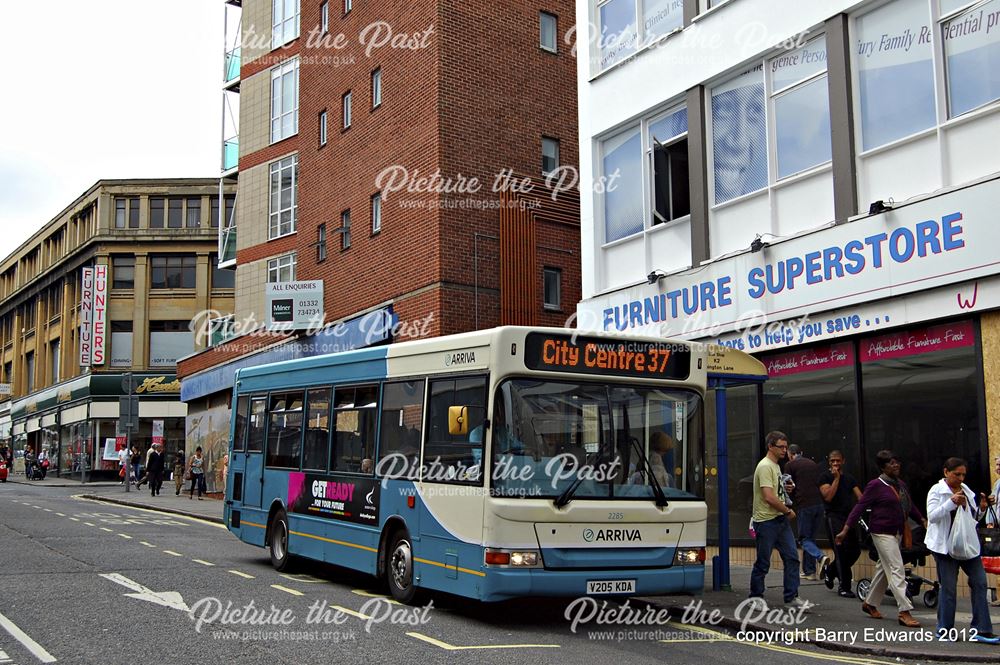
[[86, 316], [100, 336]]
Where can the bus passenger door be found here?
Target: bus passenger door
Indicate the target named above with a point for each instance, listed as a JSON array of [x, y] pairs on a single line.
[[237, 464], [253, 465]]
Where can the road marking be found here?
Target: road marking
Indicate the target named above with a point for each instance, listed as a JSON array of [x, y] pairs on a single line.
[[74, 519], [31, 645], [369, 594], [48, 510], [174, 517], [172, 553], [61, 514], [147, 544], [359, 615], [244, 575], [204, 563], [171, 599], [287, 590], [452, 647], [125, 536], [90, 524], [104, 528], [302, 577]]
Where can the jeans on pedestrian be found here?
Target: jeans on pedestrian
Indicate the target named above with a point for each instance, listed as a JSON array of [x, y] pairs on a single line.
[[775, 533], [198, 480], [810, 521], [947, 572]]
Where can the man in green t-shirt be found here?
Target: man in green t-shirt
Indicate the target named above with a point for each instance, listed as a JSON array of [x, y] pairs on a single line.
[[771, 517]]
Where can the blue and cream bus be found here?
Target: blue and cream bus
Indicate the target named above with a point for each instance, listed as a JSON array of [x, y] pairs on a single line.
[[493, 464]]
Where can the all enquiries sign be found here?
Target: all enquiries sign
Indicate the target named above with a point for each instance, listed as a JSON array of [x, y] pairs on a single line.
[[93, 315], [294, 305]]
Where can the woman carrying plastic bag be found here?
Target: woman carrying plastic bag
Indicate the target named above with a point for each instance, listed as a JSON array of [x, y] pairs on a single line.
[[951, 536]]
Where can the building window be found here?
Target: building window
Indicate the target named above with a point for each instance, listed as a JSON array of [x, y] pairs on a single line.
[[621, 35], [548, 29], [739, 135], [284, 22], [285, 100], [54, 361], [123, 272], [156, 213], [222, 278], [896, 90], [121, 343], [29, 371], [552, 296], [133, 213], [284, 197], [347, 5], [193, 212], [175, 212], [671, 187], [377, 88], [347, 109], [120, 213], [173, 271], [281, 269], [230, 202], [322, 128], [622, 163], [971, 53], [376, 213], [324, 18], [345, 229], [168, 341], [550, 155], [800, 99], [28, 318], [321, 243]]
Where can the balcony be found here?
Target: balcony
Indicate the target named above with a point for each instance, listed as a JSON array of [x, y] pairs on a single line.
[[227, 247], [232, 72], [230, 153]]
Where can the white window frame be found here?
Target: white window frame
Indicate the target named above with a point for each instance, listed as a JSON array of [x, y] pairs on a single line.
[[376, 208], [284, 27], [642, 42], [278, 73], [324, 18], [345, 229], [274, 225], [346, 109], [279, 265], [548, 305], [322, 128], [548, 140], [542, 16], [348, 5], [376, 87]]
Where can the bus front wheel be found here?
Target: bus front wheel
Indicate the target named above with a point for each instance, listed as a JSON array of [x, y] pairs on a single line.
[[280, 558], [399, 568]]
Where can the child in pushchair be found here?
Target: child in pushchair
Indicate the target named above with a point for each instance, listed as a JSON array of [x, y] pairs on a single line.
[[915, 555]]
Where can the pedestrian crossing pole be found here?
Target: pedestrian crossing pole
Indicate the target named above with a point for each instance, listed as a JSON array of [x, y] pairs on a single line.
[[128, 418]]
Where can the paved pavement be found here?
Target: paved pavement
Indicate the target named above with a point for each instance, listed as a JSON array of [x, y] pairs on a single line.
[[834, 623]]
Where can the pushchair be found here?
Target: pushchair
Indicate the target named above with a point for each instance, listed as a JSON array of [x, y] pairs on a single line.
[[915, 555]]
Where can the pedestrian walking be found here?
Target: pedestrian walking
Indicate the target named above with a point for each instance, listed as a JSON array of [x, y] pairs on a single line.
[[771, 521], [136, 456], [154, 469], [840, 491], [891, 503], [145, 474], [179, 470], [808, 504], [949, 501], [196, 466]]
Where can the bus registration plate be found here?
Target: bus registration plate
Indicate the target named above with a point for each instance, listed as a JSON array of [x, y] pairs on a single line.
[[597, 587]]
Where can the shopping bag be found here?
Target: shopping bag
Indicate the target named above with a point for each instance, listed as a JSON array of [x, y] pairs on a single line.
[[989, 537], [963, 543], [121, 472]]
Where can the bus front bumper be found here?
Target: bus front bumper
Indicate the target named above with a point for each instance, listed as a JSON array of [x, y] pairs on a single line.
[[504, 583]]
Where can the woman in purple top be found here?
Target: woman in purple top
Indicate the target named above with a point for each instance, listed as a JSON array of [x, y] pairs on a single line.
[[891, 503]]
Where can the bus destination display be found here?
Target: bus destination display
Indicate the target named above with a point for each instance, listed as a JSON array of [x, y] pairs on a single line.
[[618, 357]]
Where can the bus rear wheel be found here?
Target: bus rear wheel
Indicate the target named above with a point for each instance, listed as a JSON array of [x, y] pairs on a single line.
[[399, 568], [278, 544]]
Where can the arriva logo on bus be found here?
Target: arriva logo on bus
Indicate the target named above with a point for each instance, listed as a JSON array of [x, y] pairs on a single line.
[[612, 535]]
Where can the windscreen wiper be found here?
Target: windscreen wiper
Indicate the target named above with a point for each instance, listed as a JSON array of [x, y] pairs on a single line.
[[661, 498]]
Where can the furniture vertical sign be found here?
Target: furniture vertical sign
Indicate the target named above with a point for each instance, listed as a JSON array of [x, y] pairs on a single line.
[[100, 315], [86, 316]]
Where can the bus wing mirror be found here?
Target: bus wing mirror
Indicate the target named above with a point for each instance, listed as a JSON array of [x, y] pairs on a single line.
[[458, 420]]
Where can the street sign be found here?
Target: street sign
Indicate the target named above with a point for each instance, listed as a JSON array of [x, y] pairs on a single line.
[[128, 412]]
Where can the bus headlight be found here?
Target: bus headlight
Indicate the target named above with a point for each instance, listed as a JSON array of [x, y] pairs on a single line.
[[519, 559], [690, 556], [524, 558]]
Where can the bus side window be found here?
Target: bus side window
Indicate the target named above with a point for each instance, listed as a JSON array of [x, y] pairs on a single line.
[[316, 445], [255, 435], [284, 432], [354, 420], [459, 456], [401, 419], [242, 412]]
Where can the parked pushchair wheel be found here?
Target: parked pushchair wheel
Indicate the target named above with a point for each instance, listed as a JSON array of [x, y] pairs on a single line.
[[864, 586], [931, 598]]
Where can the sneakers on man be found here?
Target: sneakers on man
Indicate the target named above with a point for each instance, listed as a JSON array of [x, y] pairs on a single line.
[[986, 638], [811, 576], [846, 593], [800, 604], [757, 603]]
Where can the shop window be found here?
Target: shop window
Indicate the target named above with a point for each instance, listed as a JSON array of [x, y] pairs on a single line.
[[400, 426], [354, 413], [895, 85], [316, 443], [284, 432], [744, 443], [456, 458], [921, 399]]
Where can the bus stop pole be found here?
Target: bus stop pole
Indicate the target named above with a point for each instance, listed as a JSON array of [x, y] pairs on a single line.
[[722, 445]]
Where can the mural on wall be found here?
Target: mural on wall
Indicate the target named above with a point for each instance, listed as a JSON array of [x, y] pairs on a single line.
[[209, 429]]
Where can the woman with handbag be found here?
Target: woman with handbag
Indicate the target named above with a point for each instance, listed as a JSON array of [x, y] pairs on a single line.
[[952, 514], [992, 521]]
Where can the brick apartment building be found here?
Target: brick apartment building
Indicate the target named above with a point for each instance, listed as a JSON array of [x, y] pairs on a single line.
[[331, 106]]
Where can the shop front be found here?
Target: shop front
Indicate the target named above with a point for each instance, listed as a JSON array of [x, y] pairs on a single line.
[[76, 422], [882, 333]]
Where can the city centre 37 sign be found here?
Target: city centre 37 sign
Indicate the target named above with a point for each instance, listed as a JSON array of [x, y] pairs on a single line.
[[93, 315]]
